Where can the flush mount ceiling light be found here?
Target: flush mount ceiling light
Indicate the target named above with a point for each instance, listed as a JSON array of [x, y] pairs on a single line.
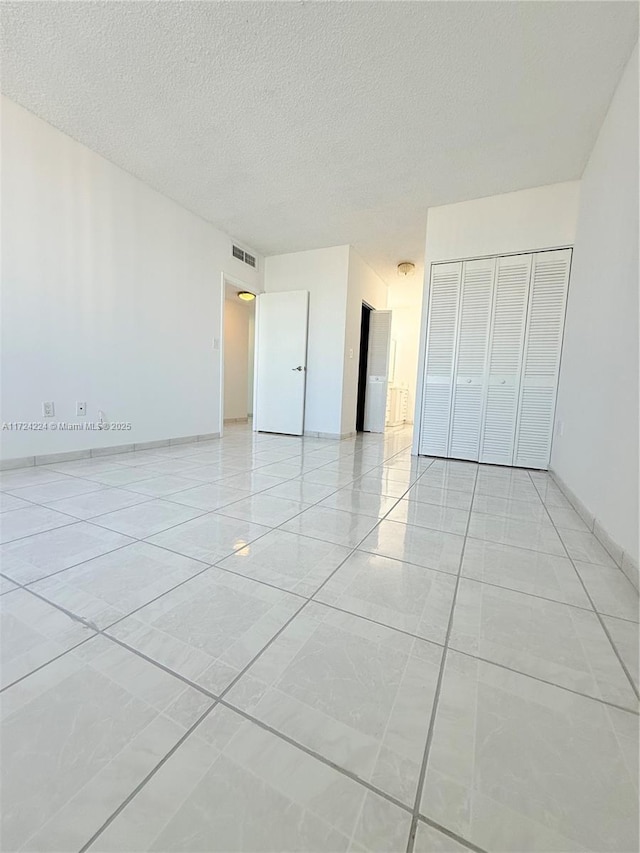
[[406, 268], [246, 296]]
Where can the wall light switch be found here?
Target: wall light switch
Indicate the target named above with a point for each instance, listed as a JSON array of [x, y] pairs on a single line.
[[81, 408], [216, 343], [48, 410]]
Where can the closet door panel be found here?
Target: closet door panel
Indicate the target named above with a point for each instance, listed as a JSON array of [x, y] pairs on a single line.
[[444, 295], [506, 344], [468, 392], [541, 361]]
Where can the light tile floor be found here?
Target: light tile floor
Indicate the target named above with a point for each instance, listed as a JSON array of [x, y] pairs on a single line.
[[266, 643]]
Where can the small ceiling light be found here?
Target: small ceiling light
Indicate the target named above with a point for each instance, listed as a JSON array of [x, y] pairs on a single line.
[[406, 268], [246, 295]]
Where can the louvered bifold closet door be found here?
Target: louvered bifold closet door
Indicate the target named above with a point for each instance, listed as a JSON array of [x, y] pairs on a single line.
[[473, 337], [505, 358], [444, 294], [541, 362]]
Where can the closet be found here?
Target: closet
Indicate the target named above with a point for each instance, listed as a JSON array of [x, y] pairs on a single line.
[[492, 357]]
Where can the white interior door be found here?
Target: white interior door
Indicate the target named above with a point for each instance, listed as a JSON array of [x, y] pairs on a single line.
[[444, 295], [471, 358], [541, 364], [375, 401], [505, 358], [281, 361]]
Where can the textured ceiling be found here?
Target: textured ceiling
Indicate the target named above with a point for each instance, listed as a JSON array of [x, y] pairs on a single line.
[[298, 125]]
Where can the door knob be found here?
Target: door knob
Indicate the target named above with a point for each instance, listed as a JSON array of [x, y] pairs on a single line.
[[299, 367], [503, 381], [468, 382]]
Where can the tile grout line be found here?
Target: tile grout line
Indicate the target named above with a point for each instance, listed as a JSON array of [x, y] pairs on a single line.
[[148, 498], [28, 584], [598, 615], [94, 523], [183, 678], [318, 756], [134, 539], [436, 697], [206, 567], [93, 626], [421, 818], [132, 794], [145, 539], [448, 832], [156, 474], [485, 582], [607, 702], [105, 632], [220, 698], [216, 565], [46, 663], [251, 542], [229, 687], [60, 571]]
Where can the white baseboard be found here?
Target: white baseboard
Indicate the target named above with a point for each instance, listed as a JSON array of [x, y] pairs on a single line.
[[622, 559], [97, 452], [337, 436]]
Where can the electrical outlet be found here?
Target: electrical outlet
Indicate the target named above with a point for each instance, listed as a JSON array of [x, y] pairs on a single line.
[[351, 353], [81, 408], [48, 410], [560, 428]]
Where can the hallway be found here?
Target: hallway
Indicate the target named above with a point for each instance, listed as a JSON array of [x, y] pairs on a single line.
[[271, 643]]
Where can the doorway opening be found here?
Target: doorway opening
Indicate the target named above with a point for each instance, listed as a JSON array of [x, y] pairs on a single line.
[[365, 322], [237, 355]]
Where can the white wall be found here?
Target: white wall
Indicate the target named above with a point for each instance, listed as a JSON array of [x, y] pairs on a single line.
[[363, 285], [523, 221], [405, 302], [323, 272], [238, 322], [597, 455], [537, 218], [111, 294], [338, 281]]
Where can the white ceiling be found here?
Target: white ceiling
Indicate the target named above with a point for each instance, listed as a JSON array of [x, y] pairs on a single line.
[[296, 125]]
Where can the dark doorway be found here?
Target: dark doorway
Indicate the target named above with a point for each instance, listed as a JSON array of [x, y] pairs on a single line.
[[362, 369]]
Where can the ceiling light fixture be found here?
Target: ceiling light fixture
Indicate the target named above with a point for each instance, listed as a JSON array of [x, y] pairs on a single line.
[[406, 268], [246, 295]]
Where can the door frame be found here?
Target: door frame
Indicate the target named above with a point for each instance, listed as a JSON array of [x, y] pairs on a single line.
[[238, 285], [361, 394]]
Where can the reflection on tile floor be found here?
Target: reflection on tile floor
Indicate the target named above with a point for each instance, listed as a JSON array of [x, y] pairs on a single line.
[[265, 643]]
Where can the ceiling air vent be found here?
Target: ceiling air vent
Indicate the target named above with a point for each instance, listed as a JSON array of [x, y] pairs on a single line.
[[246, 257]]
